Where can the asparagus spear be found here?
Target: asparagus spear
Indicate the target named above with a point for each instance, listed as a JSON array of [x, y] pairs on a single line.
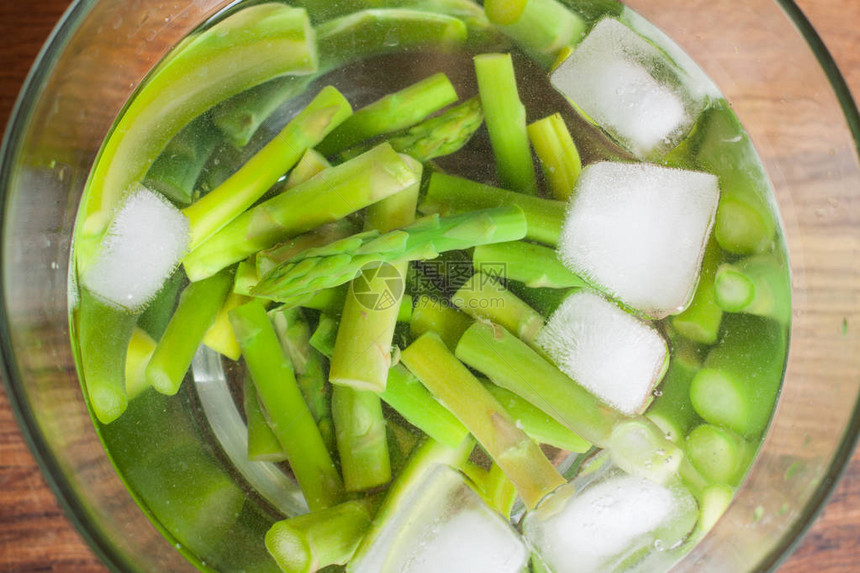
[[246, 277], [230, 199], [140, 349], [534, 265], [247, 48], [720, 456], [447, 194], [309, 542], [557, 153], [755, 285], [263, 445], [339, 262], [435, 315], [220, 337], [270, 258], [289, 416], [361, 438], [326, 197], [740, 379], [504, 12], [672, 409], [198, 306], [322, 340], [700, 321], [154, 319], [505, 117], [399, 110], [459, 391]]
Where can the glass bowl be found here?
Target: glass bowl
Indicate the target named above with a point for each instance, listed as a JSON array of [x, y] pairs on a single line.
[[763, 55]]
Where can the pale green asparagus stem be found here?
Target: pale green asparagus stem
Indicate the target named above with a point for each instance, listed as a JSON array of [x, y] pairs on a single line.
[[247, 48], [756, 285], [361, 438], [672, 409], [140, 349], [501, 490], [459, 391], [312, 541], [263, 445], [326, 197], [289, 416], [427, 238], [322, 340], [504, 12], [437, 315], [246, 277], [230, 199], [557, 153], [198, 306], [329, 233], [505, 117], [701, 320], [533, 265], [719, 455], [399, 110], [220, 337], [447, 194], [311, 163]]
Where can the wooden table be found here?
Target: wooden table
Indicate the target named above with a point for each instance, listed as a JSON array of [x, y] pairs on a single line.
[[34, 534]]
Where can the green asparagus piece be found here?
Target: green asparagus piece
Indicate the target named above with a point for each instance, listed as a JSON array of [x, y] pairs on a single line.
[[755, 285], [309, 542], [326, 197], [154, 319], [294, 335], [399, 110], [245, 49], [270, 258], [229, 200], [544, 300], [322, 340], [740, 379], [339, 262], [672, 409], [458, 390], [246, 277], [362, 442], [543, 30], [505, 117], [289, 416], [700, 321], [405, 393], [175, 172], [402, 441], [311, 163], [374, 32], [534, 265], [447, 194], [719, 455], [198, 306], [504, 12], [539, 425], [501, 490], [263, 445], [485, 298], [220, 337], [557, 153], [140, 349], [437, 315]]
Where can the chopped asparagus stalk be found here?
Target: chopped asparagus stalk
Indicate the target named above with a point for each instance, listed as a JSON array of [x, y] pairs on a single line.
[[448, 194], [505, 117], [719, 455], [327, 197], [263, 445], [309, 542], [396, 111], [247, 48], [405, 393], [246, 277], [739, 381], [220, 337], [329, 233], [140, 349], [557, 153], [175, 172], [322, 340], [311, 163], [380, 31], [756, 285], [361, 438], [700, 322], [288, 413], [154, 319], [485, 298], [402, 441], [543, 29], [436, 315], [459, 391], [504, 12], [539, 425], [230, 199], [500, 490], [198, 306], [534, 265], [672, 410], [339, 262]]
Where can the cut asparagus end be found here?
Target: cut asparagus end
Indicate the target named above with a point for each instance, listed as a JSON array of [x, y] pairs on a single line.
[[140, 349], [640, 448], [734, 289], [361, 438], [544, 30], [533, 265], [701, 320], [436, 315], [558, 154], [720, 456], [263, 445]]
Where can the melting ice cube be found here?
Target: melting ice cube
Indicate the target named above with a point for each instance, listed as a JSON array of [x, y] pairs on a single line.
[[143, 245], [639, 231], [608, 351], [609, 522], [630, 89]]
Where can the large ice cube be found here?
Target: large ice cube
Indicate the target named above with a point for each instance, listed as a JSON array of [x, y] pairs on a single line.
[[143, 245], [611, 353], [639, 231], [609, 522], [444, 526], [630, 89]]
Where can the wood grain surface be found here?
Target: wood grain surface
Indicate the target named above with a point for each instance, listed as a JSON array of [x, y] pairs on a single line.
[[36, 536]]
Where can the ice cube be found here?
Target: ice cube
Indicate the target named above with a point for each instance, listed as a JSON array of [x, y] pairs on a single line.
[[616, 356], [639, 232], [609, 522], [144, 244], [443, 525], [630, 89]]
